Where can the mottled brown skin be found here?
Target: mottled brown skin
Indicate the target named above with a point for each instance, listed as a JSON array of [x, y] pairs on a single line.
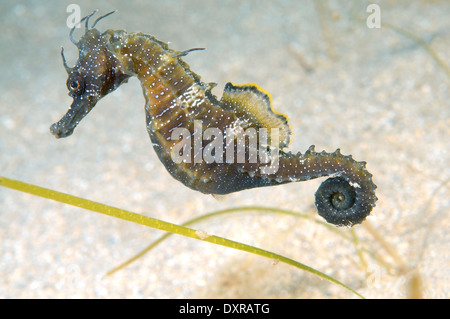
[[175, 97]]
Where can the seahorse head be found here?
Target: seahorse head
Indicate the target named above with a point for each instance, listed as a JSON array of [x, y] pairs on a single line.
[[96, 73]]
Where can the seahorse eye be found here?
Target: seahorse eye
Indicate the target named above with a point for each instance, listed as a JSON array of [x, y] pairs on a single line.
[[75, 85]]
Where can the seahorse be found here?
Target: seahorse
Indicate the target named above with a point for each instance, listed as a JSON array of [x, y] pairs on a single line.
[[177, 99]]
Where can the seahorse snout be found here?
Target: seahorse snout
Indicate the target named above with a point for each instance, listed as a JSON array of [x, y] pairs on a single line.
[[77, 111], [58, 130]]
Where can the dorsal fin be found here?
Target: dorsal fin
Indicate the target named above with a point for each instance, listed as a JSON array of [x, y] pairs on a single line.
[[254, 105]]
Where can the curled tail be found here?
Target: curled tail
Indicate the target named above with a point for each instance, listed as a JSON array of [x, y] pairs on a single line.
[[344, 199]]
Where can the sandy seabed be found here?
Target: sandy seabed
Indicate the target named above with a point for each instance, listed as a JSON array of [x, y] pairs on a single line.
[[375, 93]]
